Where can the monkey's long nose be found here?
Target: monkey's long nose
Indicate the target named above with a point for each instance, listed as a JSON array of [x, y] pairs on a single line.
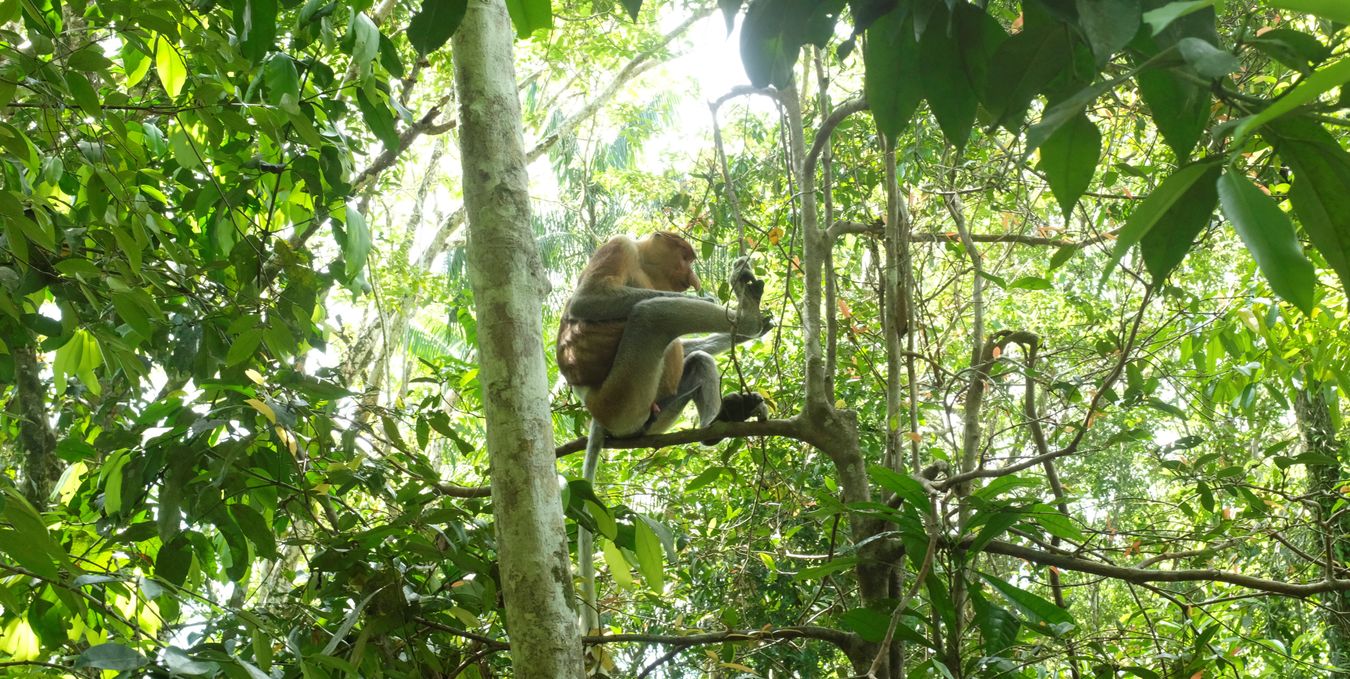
[[694, 282]]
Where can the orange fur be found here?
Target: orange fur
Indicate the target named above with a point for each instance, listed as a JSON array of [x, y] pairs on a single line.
[[659, 261]]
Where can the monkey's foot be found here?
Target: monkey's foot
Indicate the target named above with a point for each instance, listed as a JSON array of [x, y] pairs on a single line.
[[743, 282], [749, 290], [740, 408]]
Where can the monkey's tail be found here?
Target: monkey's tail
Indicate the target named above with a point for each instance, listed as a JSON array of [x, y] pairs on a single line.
[[590, 613]]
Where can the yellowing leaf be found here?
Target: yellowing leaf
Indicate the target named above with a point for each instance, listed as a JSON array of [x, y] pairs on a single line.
[[263, 408], [618, 566], [254, 375], [170, 67]]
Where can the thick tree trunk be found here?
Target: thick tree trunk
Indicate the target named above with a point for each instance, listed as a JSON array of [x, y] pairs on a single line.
[[1319, 436], [508, 286]]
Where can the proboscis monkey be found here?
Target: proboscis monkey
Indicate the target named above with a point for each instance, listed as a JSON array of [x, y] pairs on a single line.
[[620, 342]]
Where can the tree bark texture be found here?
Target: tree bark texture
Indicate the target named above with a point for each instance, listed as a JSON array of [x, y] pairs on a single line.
[[41, 467], [508, 285]]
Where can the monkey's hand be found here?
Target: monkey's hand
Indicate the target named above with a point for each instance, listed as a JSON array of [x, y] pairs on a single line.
[[765, 325]]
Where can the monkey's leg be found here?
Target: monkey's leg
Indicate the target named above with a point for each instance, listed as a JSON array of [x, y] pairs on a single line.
[[623, 402], [701, 383]]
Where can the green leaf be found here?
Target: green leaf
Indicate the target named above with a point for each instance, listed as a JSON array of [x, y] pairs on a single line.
[[648, 550], [255, 23], [1270, 238], [174, 560], [944, 80], [995, 525], [170, 67], [1180, 108], [365, 39], [1154, 209], [1069, 158], [1031, 283], [85, 96], [89, 58], [1306, 91], [244, 346], [604, 520], [618, 566], [891, 74], [529, 16], [1054, 522], [1336, 10], [1034, 607], [911, 491], [282, 81], [1108, 24], [434, 23], [1207, 60], [110, 656], [1292, 48], [357, 245], [378, 116], [1321, 175], [868, 623], [998, 626], [773, 33], [707, 476], [1024, 66], [1160, 18], [256, 529], [1165, 245]]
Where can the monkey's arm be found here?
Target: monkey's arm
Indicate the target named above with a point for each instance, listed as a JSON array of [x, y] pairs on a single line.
[[721, 342]]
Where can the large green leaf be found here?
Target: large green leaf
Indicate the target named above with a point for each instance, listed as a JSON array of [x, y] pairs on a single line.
[[1336, 10], [1024, 66], [1321, 187], [169, 65], [1035, 608], [648, 550], [1109, 24], [1069, 158], [377, 115], [356, 246], [773, 32], [529, 16], [946, 85], [891, 79], [998, 626], [434, 23], [1165, 245], [1155, 208], [1270, 238], [255, 23]]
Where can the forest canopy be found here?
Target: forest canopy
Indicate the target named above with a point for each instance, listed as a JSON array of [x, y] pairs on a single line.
[[1054, 382]]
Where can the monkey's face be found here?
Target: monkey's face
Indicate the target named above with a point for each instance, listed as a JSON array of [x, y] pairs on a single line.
[[668, 260]]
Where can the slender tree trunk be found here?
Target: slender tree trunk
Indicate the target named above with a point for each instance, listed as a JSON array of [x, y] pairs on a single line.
[[41, 467], [508, 286], [1319, 436]]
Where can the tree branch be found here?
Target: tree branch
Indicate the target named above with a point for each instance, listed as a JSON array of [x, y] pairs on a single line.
[[1144, 575]]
